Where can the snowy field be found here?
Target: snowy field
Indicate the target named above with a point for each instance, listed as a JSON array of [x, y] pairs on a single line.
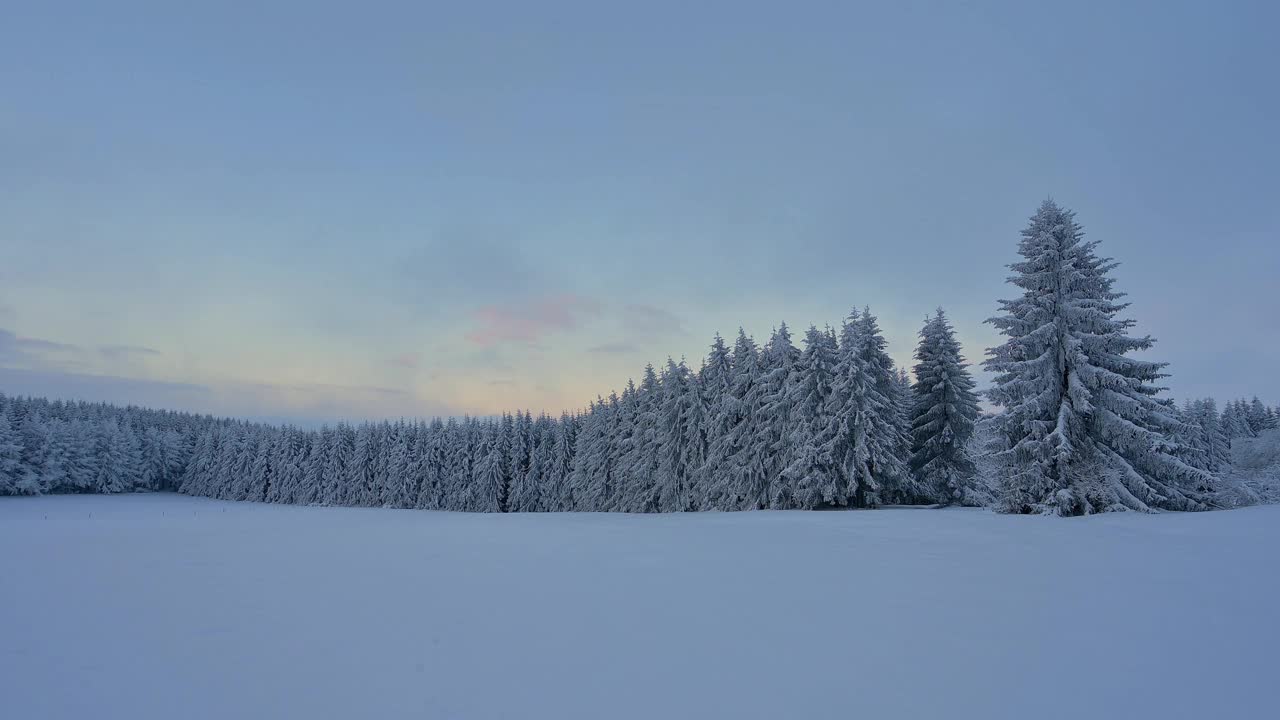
[[162, 606]]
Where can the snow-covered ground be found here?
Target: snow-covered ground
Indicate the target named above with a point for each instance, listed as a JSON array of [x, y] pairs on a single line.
[[161, 606]]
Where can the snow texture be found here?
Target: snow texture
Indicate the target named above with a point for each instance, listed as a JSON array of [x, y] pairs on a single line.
[[164, 606]]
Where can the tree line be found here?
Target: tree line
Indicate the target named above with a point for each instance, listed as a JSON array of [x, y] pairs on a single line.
[[1082, 427]]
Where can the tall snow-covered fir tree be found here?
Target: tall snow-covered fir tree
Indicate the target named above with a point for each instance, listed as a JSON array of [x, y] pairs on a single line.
[[1082, 429], [556, 495], [592, 468], [538, 495], [622, 439], [874, 449], [429, 461], [526, 483], [639, 491], [714, 380], [672, 475], [778, 364], [812, 478], [405, 480], [487, 484], [943, 414], [119, 459], [694, 413], [737, 480]]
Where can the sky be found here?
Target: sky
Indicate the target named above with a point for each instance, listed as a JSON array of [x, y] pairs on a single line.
[[312, 211]]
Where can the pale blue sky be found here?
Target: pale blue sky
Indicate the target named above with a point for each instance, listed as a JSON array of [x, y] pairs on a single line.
[[320, 210]]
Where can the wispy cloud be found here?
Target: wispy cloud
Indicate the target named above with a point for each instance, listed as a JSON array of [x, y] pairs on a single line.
[[651, 322], [31, 353], [121, 351], [34, 352], [527, 323]]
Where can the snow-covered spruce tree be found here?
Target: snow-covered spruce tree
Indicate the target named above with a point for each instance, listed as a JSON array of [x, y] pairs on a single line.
[[1191, 439], [551, 490], [671, 475], [694, 421], [943, 414], [521, 452], [750, 488], [220, 453], [905, 385], [738, 480], [905, 398], [194, 477], [555, 493], [621, 435], [590, 460], [874, 446], [311, 468], [10, 457], [161, 457], [521, 494], [454, 469], [510, 448], [81, 467], [34, 439], [118, 459], [263, 471], [235, 470], [529, 495], [639, 490], [714, 380], [490, 474], [1234, 423], [1258, 416], [429, 461], [286, 466], [474, 452], [339, 449], [812, 478], [359, 487], [1082, 430], [239, 485], [382, 466], [896, 482], [1207, 444], [524, 493], [404, 483], [777, 366], [53, 473]]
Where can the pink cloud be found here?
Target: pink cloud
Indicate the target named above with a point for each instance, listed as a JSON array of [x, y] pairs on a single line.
[[528, 322]]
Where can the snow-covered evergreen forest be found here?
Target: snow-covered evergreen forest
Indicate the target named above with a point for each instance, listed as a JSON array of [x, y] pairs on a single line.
[[1080, 427]]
